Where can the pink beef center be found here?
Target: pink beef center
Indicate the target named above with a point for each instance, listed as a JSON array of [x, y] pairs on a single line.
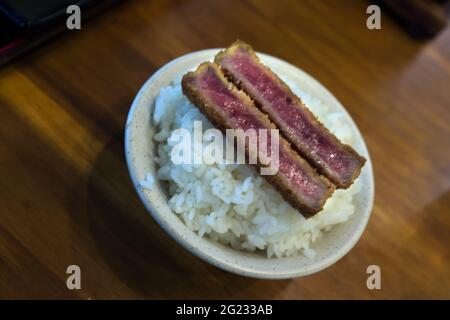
[[245, 119], [282, 104]]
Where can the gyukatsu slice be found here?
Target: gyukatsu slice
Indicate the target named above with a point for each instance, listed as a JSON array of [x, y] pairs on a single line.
[[229, 108], [337, 161]]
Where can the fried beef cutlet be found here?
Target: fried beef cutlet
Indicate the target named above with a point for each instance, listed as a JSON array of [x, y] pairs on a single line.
[[229, 108], [339, 162]]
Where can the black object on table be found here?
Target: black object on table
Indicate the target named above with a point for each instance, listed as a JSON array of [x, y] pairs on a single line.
[[25, 24]]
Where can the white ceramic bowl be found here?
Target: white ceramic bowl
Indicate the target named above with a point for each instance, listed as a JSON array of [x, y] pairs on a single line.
[[140, 150]]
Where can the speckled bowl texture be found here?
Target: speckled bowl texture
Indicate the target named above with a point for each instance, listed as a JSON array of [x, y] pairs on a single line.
[[140, 151]]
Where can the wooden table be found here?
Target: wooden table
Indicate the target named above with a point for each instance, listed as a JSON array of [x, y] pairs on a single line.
[[65, 194]]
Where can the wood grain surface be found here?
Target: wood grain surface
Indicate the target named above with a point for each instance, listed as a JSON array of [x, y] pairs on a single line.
[[66, 197]]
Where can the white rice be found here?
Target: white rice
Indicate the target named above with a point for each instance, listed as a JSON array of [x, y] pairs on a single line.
[[232, 204]]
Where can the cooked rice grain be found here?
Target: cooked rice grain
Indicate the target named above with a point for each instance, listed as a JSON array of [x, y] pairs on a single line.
[[232, 204]]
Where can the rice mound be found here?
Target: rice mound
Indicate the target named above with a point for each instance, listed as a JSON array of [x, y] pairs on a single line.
[[233, 204]]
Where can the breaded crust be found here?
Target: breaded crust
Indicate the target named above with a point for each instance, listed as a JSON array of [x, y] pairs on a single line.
[[219, 119], [292, 138]]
